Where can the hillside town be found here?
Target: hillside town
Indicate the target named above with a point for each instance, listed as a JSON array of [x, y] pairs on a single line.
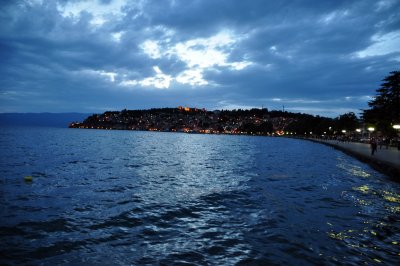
[[196, 120], [185, 119]]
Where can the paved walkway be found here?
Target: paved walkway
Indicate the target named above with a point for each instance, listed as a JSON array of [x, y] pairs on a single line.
[[387, 160]]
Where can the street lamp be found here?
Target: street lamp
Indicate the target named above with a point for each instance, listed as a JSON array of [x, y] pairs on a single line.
[[358, 130], [397, 127], [370, 129]]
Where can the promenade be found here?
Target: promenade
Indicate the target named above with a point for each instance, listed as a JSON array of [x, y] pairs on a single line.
[[384, 160]]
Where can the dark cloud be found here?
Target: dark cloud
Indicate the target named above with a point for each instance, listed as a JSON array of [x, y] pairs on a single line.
[[326, 57]]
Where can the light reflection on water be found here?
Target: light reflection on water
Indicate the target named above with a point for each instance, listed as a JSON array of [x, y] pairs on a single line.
[[119, 197]]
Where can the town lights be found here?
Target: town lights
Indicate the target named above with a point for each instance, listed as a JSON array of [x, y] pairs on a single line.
[[358, 130], [343, 131], [396, 126]]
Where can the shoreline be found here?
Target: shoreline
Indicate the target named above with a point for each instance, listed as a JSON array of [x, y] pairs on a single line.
[[386, 161]]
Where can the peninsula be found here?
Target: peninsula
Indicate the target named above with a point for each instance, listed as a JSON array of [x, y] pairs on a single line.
[[196, 120]]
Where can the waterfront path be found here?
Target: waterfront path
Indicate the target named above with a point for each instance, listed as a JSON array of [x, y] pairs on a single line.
[[384, 160]]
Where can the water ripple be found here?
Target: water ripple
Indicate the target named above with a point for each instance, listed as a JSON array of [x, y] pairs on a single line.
[[143, 198]]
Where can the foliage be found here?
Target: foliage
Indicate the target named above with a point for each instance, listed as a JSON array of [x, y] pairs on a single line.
[[347, 121], [306, 124], [251, 128], [385, 107]]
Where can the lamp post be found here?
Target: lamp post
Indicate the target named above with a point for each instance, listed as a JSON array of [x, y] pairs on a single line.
[[370, 129], [397, 127], [359, 135]]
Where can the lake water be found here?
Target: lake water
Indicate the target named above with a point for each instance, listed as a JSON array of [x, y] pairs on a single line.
[[146, 198]]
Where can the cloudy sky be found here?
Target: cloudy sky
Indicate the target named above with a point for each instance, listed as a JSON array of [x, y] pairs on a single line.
[[319, 57]]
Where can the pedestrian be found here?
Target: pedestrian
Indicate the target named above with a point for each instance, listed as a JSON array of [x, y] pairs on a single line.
[[387, 142], [374, 146]]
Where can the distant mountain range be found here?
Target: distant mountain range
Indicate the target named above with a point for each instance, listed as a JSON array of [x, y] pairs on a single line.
[[40, 119]]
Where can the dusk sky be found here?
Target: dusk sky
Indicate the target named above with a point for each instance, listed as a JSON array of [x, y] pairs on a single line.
[[318, 57]]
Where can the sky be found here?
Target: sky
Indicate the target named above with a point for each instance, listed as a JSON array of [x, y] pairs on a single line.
[[318, 57]]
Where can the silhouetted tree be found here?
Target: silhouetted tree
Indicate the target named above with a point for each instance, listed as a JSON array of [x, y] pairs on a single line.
[[347, 121], [385, 107]]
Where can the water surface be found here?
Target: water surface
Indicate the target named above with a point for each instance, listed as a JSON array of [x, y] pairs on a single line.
[[145, 198]]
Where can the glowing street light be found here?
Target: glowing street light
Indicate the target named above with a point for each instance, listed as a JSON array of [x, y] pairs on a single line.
[[397, 127], [358, 130], [370, 129], [343, 131]]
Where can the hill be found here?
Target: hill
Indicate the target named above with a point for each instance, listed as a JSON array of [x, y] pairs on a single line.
[[193, 120]]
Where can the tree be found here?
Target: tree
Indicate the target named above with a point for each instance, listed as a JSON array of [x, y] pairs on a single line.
[[347, 121], [304, 124], [385, 107]]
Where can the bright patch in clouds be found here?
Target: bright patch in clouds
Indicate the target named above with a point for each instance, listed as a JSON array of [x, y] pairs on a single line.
[[129, 83], [203, 52], [335, 16], [288, 100], [202, 58], [151, 49], [198, 54], [117, 36], [193, 77], [240, 65], [208, 52], [99, 11], [159, 80], [109, 75], [383, 44]]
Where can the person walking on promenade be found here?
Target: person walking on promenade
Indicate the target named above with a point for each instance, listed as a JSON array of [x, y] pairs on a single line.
[[374, 146]]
